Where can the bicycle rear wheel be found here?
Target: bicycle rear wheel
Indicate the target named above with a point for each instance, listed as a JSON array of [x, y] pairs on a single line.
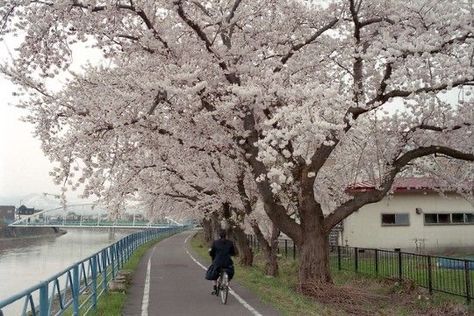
[[224, 288]]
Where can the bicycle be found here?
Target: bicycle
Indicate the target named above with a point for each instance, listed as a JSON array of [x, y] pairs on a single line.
[[223, 286]]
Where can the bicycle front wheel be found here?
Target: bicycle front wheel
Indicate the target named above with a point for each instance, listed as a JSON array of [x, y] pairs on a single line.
[[224, 290]]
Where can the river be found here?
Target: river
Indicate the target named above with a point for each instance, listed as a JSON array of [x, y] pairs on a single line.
[[26, 261]]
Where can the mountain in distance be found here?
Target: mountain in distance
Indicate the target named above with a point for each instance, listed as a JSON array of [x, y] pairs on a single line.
[[38, 201], [43, 202]]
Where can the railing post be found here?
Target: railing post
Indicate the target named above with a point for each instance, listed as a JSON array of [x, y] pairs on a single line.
[[400, 268], [112, 253], [339, 262], [376, 262], [468, 281], [356, 259], [294, 251], [430, 276], [286, 248], [119, 254], [124, 250], [94, 281], [127, 247], [75, 290], [104, 270], [43, 300]]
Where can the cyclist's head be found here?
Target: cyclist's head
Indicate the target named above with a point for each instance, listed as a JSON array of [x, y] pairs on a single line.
[[222, 234]]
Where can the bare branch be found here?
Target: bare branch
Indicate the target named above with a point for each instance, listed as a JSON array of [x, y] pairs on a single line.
[[308, 41], [404, 93], [130, 7], [231, 14], [230, 76], [438, 128], [361, 199], [376, 20]]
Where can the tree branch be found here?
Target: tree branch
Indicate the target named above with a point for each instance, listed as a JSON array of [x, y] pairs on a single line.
[[276, 212], [381, 99], [361, 199], [438, 128], [231, 77], [376, 20], [308, 41], [131, 7], [231, 14]]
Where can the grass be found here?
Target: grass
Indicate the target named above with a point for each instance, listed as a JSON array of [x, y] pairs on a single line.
[[111, 303], [414, 268], [377, 293], [278, 292]]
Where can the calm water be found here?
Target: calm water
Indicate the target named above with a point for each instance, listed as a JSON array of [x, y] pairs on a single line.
[[25, 262]]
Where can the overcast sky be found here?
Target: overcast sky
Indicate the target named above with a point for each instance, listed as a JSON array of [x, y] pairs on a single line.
[[24, 169]]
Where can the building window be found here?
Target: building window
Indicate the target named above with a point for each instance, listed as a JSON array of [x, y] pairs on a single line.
[[449, 218], [457, 217], [431, 218], [444, 218], [393, 219]]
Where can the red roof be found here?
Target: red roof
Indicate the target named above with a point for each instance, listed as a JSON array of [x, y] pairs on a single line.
[[412, 184]]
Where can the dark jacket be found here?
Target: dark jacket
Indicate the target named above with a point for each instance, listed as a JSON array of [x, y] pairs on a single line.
[[221, 252]]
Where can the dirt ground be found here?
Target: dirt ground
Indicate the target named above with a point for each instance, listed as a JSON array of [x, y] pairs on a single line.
[[368, 297]]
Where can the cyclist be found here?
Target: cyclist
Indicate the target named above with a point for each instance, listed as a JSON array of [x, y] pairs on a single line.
[[221, 251]]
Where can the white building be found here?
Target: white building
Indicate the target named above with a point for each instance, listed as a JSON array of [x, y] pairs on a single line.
[[415, 218]]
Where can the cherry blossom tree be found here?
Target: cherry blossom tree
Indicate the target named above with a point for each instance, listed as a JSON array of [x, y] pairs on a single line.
[[313, 97]]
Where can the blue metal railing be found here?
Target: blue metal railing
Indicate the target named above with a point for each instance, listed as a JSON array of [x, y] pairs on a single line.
[[78, 287]]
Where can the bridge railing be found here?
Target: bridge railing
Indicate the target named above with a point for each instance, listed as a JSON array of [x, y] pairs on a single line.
[[78, 224], [78, 287]]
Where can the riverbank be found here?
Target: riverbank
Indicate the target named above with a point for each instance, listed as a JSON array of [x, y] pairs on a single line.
[[7, 232]]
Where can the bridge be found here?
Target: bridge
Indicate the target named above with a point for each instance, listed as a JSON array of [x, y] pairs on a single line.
[[87, 216]]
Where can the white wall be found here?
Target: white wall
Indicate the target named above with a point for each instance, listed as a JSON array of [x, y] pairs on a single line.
[[364, 227]]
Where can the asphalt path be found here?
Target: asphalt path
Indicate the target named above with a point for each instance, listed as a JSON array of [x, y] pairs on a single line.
[[170, 281]]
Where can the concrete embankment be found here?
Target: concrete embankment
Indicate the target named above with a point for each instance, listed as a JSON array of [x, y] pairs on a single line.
[[12, 232]]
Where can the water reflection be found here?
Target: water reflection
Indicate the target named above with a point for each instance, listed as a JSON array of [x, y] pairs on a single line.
[[25, 262]]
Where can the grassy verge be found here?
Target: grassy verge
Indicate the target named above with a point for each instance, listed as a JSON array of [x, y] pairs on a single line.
[[354, 294], [112, 303], [413, 268], [278, 292]]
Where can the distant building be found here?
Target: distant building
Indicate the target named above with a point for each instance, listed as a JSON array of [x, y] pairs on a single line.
[[414, 218], [7, 214], [23, 210]]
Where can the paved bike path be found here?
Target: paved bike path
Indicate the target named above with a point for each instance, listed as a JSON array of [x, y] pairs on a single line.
[[177, 286]]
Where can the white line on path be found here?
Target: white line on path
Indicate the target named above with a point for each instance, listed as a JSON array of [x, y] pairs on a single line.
[[237, 296], [146, 289]]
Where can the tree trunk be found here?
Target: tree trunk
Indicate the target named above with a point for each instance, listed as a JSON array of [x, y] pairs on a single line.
[[238, 235], [207, 229], [271, 267], [215, 226], [244, 251], [270, 249], [314, 260]]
